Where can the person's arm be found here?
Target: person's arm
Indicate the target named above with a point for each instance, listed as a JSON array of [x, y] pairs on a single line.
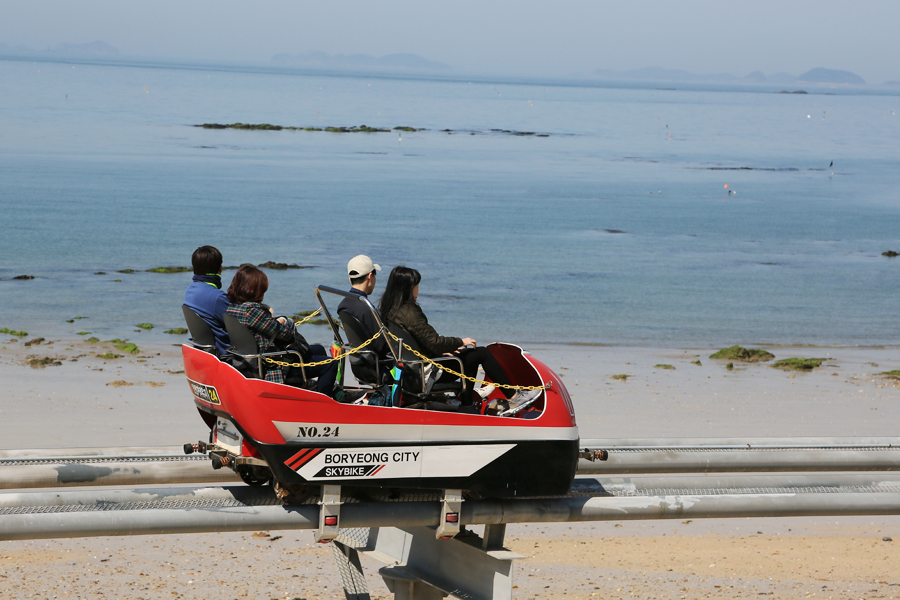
[[429, 339], [260, 321]]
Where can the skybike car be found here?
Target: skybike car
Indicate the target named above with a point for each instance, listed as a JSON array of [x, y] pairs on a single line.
[[306, 441]]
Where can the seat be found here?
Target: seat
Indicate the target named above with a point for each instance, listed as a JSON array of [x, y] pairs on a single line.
[[368, 368], [246, 356], [423, 382], [202, 336]]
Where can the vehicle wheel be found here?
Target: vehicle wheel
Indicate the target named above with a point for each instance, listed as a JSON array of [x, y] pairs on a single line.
[[293, 493], [255, 475], [472, 495]]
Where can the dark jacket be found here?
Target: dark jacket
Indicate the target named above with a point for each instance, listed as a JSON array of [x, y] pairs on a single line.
[[364, 315], [411, 318]]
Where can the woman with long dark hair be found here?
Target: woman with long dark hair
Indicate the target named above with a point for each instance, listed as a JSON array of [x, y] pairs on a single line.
[[246, 293], [399, 305]]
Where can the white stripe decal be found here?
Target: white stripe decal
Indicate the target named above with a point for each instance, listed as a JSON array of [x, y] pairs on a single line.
[[405, 434], [401, 463]]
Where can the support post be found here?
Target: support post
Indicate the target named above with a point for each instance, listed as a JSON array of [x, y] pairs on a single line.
[[451, 505], [329, 514], [493, 537], [428, 568], [406, 586], [352, 577]]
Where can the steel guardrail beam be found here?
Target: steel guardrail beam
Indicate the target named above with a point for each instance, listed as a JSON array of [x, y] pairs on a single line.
[[225, 511]]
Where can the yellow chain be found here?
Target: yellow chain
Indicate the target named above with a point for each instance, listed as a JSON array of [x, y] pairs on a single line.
[[308, 317], [328, 360], [419, 354], [466, 377]]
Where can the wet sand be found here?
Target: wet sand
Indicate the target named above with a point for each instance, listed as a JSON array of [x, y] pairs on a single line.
[[80, 403]]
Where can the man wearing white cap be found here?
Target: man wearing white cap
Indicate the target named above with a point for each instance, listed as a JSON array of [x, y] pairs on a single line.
[[361, 271]]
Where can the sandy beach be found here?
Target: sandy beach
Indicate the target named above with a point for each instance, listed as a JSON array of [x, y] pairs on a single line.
[[142, 399]]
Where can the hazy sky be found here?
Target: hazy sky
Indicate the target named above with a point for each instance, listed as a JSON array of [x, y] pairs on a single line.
[[493, 36]]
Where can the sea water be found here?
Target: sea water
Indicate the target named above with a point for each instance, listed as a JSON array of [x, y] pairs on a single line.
[[615, 228]]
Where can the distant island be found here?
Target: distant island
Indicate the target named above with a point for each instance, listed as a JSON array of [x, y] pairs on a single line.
[[818, 75], [359, 61], [821, 75]]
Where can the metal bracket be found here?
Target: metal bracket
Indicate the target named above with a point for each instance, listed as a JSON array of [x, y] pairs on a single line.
[[329, 514], [592, 455], [451, 508]]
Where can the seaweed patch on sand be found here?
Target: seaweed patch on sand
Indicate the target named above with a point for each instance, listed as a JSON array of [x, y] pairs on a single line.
[[799, 364], [743, 354], [37, 362]]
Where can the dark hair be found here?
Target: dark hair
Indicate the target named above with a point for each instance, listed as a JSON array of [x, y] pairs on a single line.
[[398, 291], [206, 259], [249, 285], [361, 278]]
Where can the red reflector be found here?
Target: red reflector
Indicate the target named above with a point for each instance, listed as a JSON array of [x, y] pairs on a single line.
[[452, 517], [330, 521]]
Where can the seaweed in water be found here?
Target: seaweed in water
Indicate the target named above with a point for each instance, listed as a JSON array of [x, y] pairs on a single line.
[[281, 266], [14, 332], [169, 270]]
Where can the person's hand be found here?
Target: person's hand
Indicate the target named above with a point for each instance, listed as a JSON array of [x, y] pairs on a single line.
[[468, 342], [271, 312], [281, 320]]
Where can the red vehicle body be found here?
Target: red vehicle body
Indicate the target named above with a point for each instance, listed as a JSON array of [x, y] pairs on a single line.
[[303, 438]]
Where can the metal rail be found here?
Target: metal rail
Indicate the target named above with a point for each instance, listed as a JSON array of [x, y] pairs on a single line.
[[476, 570], [243, 508], [22, 469]]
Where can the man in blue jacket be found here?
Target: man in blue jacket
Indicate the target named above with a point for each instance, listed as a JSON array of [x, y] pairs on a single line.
[[205, 296]]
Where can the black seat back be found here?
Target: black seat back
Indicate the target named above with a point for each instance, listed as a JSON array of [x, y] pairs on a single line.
[[201, 333], [243, 347], [242, 339], [363, 364]]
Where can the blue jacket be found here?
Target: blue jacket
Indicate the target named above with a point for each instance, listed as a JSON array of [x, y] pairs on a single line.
[[210, 302]]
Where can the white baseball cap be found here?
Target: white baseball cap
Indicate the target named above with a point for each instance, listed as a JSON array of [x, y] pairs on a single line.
[[361, 265]]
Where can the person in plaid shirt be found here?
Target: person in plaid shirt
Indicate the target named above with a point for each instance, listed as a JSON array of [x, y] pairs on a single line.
[[248, 288]]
